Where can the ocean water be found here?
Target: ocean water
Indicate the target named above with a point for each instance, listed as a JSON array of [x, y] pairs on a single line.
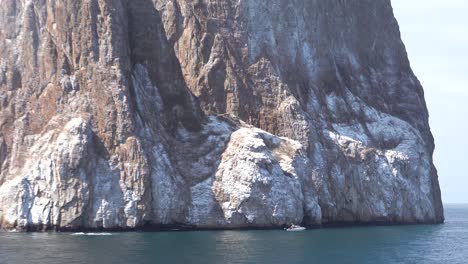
[[446, 243]]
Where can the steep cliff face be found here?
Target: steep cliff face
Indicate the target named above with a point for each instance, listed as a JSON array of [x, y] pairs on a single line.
[[214, 114], [333, 75]]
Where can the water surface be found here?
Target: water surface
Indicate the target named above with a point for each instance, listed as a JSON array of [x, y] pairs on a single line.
[[446, 243]]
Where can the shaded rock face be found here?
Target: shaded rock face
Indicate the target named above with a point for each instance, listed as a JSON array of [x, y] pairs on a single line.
[[333, 75], [214, 114]]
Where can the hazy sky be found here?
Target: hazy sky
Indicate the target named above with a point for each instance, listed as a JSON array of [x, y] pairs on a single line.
[[435, 33]]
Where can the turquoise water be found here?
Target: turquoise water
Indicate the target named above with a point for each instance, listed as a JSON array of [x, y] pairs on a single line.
[[446, 243]]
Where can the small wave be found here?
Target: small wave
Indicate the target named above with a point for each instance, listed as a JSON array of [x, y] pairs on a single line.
[[91, 234]]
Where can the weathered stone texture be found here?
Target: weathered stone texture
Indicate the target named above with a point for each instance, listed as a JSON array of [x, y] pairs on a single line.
[[214, 114]]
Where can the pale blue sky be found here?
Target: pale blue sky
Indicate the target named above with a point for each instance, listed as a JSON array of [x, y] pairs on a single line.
[[435, 33]]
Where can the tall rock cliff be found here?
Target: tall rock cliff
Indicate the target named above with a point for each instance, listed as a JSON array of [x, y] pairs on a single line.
[[120, 114]]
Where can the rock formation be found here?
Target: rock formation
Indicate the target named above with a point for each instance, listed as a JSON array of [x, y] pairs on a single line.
[[121, 114]]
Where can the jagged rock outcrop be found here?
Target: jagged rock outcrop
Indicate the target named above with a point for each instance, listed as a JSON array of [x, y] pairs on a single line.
[[213, 114]]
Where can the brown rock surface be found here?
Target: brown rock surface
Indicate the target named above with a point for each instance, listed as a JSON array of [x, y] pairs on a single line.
[[126, 113]]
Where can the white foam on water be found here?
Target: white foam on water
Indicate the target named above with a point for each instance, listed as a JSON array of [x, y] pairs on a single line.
[[91, 234]]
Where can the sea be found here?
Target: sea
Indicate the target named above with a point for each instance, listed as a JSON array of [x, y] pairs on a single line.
[[447, 243]]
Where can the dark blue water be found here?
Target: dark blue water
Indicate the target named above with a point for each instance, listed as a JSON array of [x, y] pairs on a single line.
[[446, 243]]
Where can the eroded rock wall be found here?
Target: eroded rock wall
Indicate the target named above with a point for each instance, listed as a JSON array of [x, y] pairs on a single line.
[[213, 114], [333, 75]]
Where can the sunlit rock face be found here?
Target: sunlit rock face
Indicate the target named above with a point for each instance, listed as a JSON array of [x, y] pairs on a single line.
[[212, 114]]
